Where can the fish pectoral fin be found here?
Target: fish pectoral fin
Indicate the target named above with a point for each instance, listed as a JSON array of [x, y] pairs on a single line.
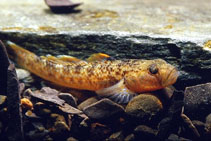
[[67, 58], [118, 92], [98, 57]]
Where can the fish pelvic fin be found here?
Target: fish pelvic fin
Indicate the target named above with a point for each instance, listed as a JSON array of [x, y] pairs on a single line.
[[118, 93]]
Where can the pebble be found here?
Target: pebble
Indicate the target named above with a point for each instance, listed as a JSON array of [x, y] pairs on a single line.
[[197, 101], [71, 139], [103, 109], [87, 102], [144, 107], [118, 136], [68, 98], [99, 131], [208, 127], [130, 137], [2, 99], [60, 128], [26, 103], [41, 109], [143, 132]]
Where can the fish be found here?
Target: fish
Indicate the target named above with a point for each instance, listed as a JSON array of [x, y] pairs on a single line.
[[117, 79]]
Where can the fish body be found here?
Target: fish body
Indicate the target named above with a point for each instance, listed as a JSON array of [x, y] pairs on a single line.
[[106, 77]]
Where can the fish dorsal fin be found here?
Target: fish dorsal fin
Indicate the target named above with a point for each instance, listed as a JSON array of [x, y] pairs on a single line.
[[67, 58], [97, 57], [63, 59], [118, 92]]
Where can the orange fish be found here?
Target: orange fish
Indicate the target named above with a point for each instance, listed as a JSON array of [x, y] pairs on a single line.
[[119, 80]]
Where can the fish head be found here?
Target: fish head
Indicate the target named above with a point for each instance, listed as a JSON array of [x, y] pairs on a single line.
[[152, 75]]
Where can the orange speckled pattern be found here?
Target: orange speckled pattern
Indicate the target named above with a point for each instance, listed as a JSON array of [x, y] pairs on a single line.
[[97, 75]]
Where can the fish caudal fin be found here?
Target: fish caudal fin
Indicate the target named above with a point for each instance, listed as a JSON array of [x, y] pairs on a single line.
[[118, 93], [19, 54]]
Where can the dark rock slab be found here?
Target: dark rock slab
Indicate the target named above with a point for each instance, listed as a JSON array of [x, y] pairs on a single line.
[[15, 126], [198, 101], [103, 109], [4, 64]]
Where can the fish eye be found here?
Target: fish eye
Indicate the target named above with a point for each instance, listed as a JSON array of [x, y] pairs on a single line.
[[153, 69]]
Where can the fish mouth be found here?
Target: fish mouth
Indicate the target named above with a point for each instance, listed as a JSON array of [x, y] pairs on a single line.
[[171, 77]]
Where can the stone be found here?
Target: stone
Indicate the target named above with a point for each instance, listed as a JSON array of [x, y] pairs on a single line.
[[103, 109], [130, 137], [2, 99], [200, 126], [26, 103], [87, 102], [61, 6], [208, 128], [48, 95], [69, 109], [197, 101], [144, 107], [71, 139], [60, 128], [99, 131], [68, 98], [42, 109], [117, 136], [143, 132], [173, 137]]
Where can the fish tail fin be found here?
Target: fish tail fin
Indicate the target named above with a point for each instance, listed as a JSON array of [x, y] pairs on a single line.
[[19, 54]]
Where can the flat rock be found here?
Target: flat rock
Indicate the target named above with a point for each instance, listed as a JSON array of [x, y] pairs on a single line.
[[87, 102], [144, 107], [103, 109], [68, 98], [176, 31], [197, 101]]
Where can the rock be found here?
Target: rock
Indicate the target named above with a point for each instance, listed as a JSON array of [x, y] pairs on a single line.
[[99, 131], [144, 107], [143, 132], [2, 99], [130, 137], [87, 102], [68, 98], [31, 115], [103, 109], [69, 109], [197, 101], [61, 6], [42, 109], [71, 139], [38, 133], [60, 128], [26, 104], [200, 126], [208, 128], [118, 136], [173, 137]]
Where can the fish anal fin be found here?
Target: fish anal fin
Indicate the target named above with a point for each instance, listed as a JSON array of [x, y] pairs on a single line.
[[118, 92], [98, 57]]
